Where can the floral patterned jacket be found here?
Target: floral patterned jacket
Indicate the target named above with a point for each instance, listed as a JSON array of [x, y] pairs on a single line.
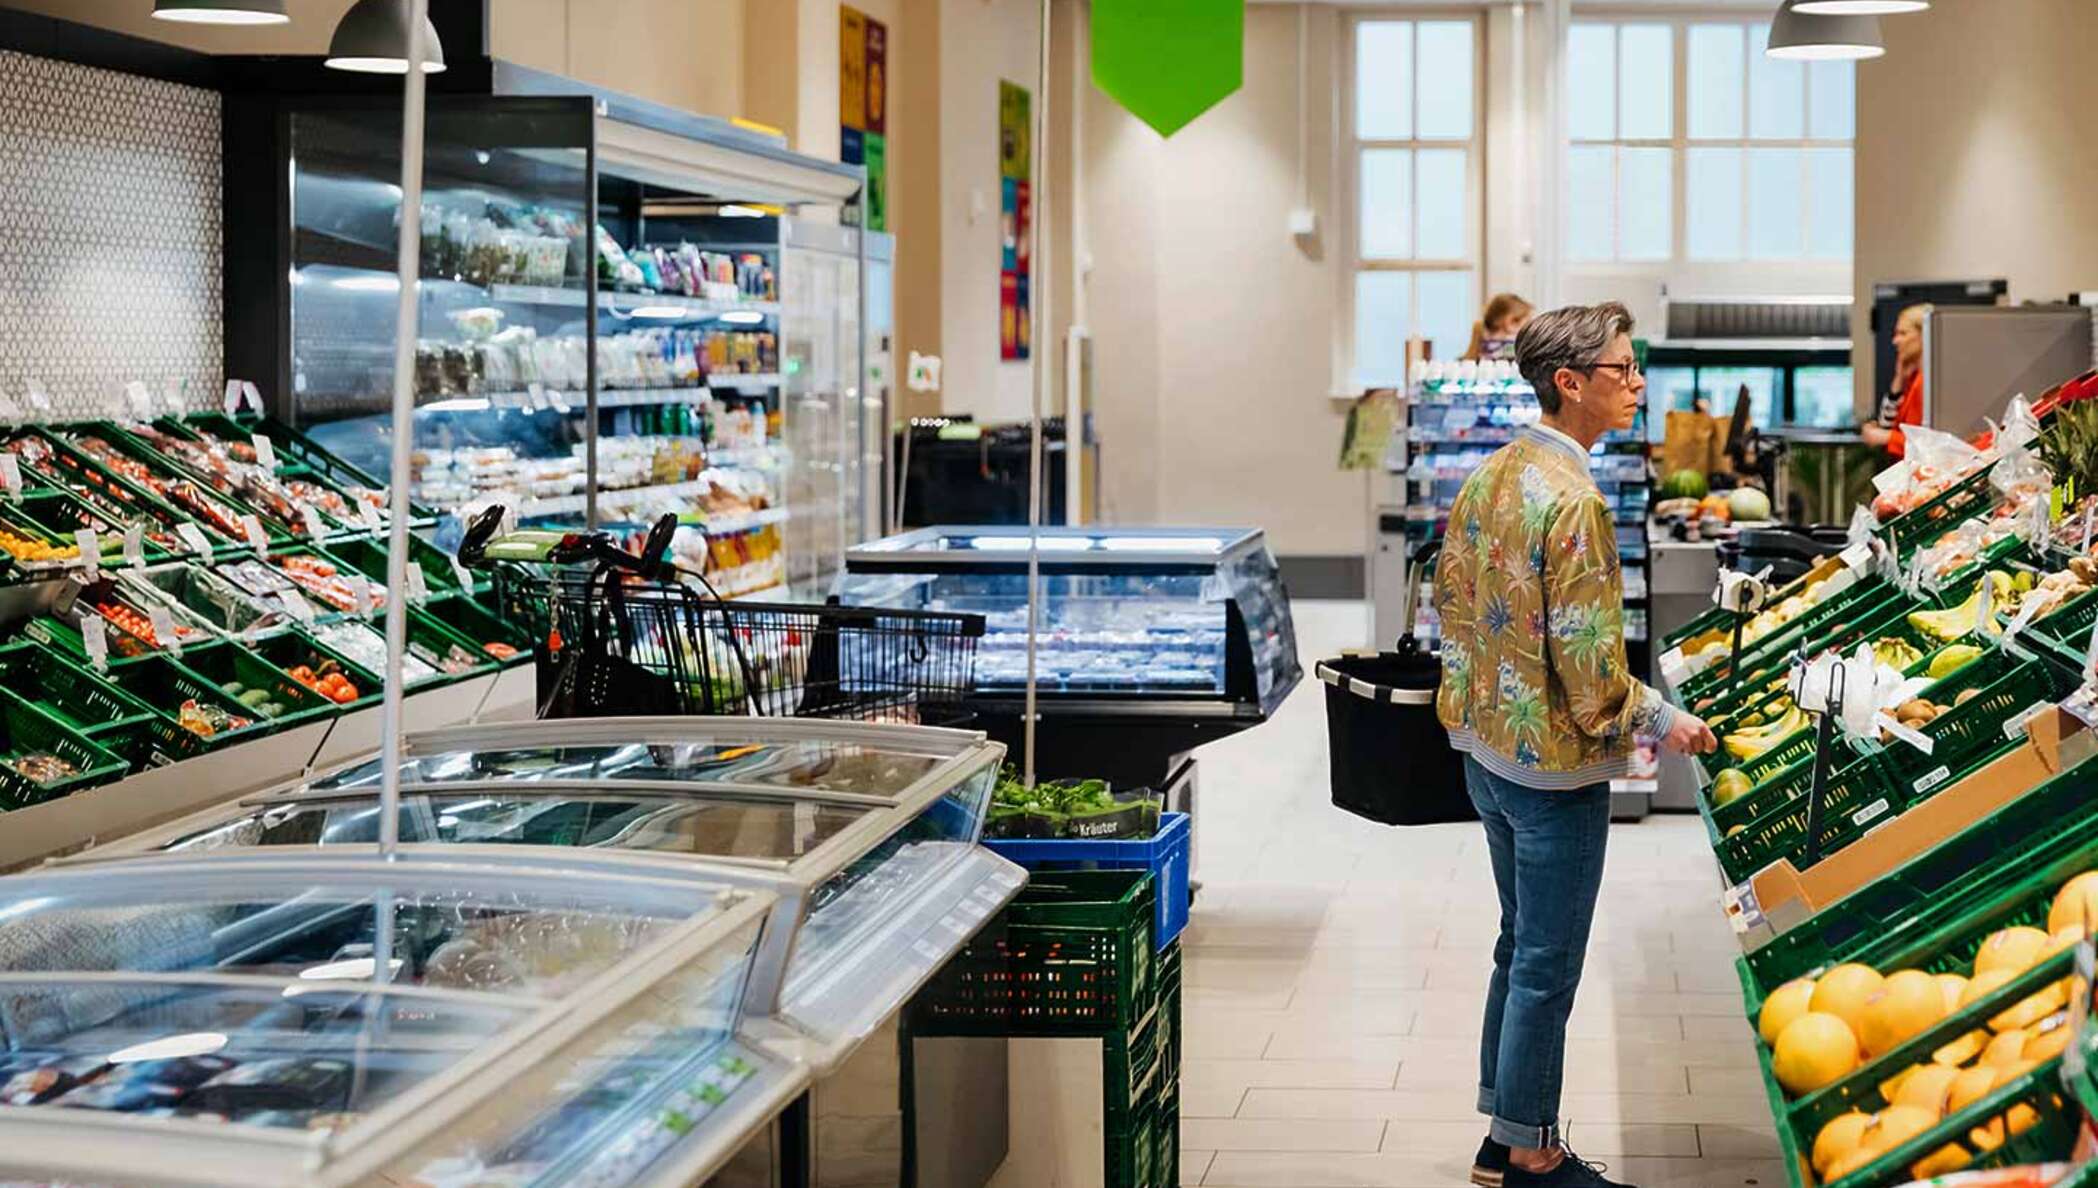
[[1534, 681]]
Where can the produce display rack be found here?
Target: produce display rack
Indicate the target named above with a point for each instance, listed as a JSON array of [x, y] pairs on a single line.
[[1928, 907], [180, 628]]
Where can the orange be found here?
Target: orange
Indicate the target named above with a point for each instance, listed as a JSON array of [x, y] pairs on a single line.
[[2012, 949], [1786, 1003], [1953, 985], [1927, 1087], [1842, 992], [1944, 1161], [1838, 1139], [1814, 1050], [2006, 1049], [1907, 1003], [2076, 904], [1970, 1086]]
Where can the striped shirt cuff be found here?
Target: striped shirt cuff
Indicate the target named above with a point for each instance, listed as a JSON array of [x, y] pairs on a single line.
[[1654, 717]]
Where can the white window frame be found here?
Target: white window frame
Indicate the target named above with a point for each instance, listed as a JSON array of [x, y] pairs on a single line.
[[1350, 172], [1680, 265]]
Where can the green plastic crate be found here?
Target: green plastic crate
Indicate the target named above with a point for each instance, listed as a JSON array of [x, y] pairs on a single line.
[[1132, 1140], [165, 471], [225, 664], [2066, 634], [1167, 1132], [479, 626], [1835, 623], [115, 499], [1072, 957], [293, 447], [25, 730], [367, 555], [1988, 724], [60, 628], [16, 521], [1772, 820], [64, 514], [435, 641], [294, 649], [1923, 525], [207, 598], [1171, 1034], [68, 692], [165, 684]]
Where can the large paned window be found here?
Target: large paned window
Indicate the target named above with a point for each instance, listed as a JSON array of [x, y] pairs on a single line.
[[1413, 128], [1688, 144]]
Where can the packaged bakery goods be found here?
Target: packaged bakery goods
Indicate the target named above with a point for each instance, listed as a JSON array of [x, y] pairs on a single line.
[[145, 1084]]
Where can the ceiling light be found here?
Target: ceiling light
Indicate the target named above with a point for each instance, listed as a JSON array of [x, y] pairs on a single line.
[[658, 311], [372, 38], [1861, 7], [743, 317], [222, 12], [1804, 37], [738, 211]]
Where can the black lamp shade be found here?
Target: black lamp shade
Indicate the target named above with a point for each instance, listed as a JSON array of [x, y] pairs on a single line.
[[1805, 37], [372, 37]]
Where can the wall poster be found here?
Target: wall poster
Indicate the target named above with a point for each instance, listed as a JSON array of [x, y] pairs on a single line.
[[863, 101], [1015, 218]]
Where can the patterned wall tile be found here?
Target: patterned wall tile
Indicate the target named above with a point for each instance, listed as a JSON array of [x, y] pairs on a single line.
[[109, 234]]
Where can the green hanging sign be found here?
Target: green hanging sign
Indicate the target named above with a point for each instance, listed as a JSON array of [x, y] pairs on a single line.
[[1169, 61]]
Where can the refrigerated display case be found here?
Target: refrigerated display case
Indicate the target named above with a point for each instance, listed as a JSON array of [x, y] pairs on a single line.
[[1151, 640], [863, 838], [609, 324]]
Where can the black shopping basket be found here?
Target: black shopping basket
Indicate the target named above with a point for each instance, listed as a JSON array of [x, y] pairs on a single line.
[[1390, 757]]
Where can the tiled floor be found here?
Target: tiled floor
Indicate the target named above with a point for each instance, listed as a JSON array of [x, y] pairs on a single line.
[[1335, 971]]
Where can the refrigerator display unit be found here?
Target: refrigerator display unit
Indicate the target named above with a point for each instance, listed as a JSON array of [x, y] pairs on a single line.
[[1151, 641], [859, 838]]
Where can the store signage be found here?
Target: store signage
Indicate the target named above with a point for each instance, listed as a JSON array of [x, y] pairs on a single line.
[[163, 622], [242, 392], [139, 398], [251, 528], [10, 412], [362, 596], [312, 516], [418, 583], [94, 639], [296, 605], [90, 546], [370, 516], [265, 452], [465, 575], [1931, 779], [1169, 61], [1870, 811]]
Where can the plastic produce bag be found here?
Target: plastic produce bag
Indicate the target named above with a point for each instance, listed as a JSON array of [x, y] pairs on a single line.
[[1953, 552]]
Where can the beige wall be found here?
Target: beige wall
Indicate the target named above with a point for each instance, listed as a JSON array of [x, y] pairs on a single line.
[[1975, 156], [684, 53]]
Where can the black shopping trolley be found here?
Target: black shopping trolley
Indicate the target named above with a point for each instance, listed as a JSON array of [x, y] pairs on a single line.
[[1390, 755], [630, 633]]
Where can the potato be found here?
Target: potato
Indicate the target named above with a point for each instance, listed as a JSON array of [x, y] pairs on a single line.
[[1965, 696]]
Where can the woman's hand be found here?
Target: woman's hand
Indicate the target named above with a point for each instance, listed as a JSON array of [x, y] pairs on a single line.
[[1875, 434], [1689, 735]]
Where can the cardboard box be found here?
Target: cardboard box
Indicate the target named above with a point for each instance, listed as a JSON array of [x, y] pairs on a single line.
[[1781, 896]]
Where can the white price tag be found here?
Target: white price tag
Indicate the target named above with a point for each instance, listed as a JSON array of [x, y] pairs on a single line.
[[1870, 812], [1893, 478], [163, 621], [2022, 619], [251, 396], [464, 575], [418, 583], [194, 538], [135, 544], [90, 546], [296, 605], [10, 412], [535, 394], [231, 402], [361, 596], [251, 529], [1857, 556], [2090, 656], [139, 399], [265, 452], [370, 515], [1932, 778], [1914, 738], [39, 400], [94, 637], [312, 516], [11, 475]]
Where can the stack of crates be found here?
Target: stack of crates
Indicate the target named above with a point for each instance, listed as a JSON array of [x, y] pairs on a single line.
[[1076, 958]]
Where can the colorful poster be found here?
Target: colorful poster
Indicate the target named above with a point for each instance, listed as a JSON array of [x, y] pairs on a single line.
[[863, 108], [1015, 218]]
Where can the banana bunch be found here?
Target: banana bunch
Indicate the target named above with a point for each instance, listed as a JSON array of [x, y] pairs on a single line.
[[1955, 621], [1896, 653], [1749, 742]]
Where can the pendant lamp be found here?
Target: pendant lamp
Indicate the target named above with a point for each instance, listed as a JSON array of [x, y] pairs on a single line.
[[372, 38], [1801, 36], [222, 12], [1861, 7]]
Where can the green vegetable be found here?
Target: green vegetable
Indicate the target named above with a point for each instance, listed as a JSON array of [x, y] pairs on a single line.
[[233, 688], [254, 699]]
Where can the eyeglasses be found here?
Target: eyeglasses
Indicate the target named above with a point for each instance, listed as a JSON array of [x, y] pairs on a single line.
[[1626, 372]]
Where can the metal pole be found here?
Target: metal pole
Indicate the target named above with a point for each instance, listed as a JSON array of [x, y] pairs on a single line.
[[1038, 167], [408, 264]]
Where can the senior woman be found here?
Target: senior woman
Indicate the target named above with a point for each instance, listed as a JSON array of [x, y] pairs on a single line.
[[1536, 693]]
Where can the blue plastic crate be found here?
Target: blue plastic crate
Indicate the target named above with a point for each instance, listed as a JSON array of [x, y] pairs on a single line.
[[1166, 854]]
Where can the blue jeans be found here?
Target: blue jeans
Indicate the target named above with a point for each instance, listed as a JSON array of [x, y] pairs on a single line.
[[1547, 851]]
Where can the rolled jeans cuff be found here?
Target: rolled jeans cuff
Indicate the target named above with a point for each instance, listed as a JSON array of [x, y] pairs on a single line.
[[1514, 1134]]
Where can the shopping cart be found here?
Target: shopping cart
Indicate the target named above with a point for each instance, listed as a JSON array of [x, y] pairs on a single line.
[[630, 633]]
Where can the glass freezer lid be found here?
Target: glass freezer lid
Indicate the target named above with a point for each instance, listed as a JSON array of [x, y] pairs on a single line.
[[771, 765], [980, 544], [690, 825]]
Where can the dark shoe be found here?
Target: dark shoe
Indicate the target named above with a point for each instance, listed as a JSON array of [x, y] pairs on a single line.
[[1491, 1164], [1572, 1172]]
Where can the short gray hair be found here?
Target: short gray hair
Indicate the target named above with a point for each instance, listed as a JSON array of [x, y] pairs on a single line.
[[1574, 336]]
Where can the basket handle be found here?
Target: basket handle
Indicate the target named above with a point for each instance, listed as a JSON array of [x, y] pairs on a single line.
[[1409, 605]]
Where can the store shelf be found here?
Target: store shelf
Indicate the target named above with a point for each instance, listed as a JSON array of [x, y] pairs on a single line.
[[563, 505], [571, 401], [691, 307]]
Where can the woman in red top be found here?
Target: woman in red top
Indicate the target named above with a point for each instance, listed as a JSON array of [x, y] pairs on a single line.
[[1902, 404]]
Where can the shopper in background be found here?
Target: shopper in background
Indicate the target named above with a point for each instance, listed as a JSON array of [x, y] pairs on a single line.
[[1902, 403], [1493, 335], [1536, 693]]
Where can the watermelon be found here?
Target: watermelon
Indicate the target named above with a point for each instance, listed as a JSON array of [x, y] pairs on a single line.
[[1684, 484], [1747, 503]]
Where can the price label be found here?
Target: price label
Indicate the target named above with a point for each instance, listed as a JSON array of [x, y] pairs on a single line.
[[265, 452], [1871, 811], [90, 546], [140, 400], [361, 597], [193, 537], [94, 637], [535, 393], [251, 529], [251, 396], [1932, 779], [231, 402], [11, 475], [2024, 618], [464, 575], [135, 544], [163, 621], [39, 399], [312, 516], [296, 605], [370, 515], [418, 584], [10, 412]]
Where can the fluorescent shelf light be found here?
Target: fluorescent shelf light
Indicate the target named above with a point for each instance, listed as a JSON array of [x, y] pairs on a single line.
[[1861, 7], [743, 317], [659, 311], [734, 211], [1018, 544]]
